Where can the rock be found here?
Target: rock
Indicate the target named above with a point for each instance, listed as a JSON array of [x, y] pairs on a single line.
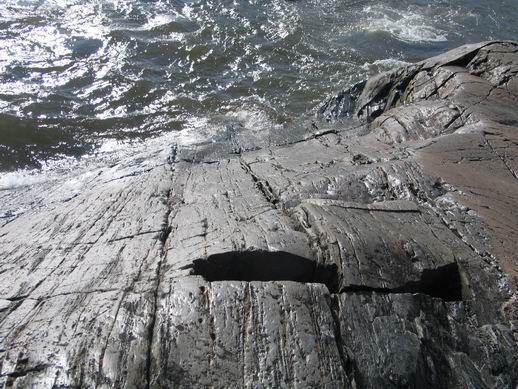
[[246, 334], [403, 340], [372, 249], [342, 105]]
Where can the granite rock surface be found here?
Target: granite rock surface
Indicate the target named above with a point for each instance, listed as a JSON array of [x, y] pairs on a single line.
[[374, 248]]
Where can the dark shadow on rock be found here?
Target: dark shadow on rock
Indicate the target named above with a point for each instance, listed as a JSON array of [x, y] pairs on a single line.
[[265, 266], [443, 282]]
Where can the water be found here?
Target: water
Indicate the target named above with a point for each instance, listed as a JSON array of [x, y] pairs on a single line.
[[80, 78]]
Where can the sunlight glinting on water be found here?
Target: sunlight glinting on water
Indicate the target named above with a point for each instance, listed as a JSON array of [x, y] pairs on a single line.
[[77, 75]]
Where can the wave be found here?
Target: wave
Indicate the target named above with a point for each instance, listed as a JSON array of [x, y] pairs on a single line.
[[409, 25]]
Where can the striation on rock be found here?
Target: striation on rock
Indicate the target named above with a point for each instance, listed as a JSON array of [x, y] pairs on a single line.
[[374, 248]]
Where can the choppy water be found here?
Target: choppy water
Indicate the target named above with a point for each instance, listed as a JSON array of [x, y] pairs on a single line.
[[82, 77]]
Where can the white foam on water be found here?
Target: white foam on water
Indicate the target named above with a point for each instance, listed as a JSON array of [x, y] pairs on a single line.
[[70, 175], [158, 20], [381, 65], [405, 25], [252, 118], [195, 130], [20, 178]]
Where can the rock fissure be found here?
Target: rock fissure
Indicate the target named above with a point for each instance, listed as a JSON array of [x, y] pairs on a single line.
[[101, 378], [263, 185], [455, 117], [437, 88], [166, 231], [152, 322], [21, 373], [135, 235], [502, 158], [133, 174], [340, 345]]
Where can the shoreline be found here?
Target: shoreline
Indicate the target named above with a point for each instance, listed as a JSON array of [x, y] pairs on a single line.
[[376, 251]]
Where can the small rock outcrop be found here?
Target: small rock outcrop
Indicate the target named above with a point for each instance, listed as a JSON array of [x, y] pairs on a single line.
[[375, 248]]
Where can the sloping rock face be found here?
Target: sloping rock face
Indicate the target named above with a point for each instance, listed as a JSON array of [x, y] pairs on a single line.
[[376, 251]]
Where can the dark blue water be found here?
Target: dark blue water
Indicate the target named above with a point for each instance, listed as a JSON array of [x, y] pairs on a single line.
[[79, 78]]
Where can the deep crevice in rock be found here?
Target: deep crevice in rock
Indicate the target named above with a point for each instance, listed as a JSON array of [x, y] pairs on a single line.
[[164, 235], [347, 363]]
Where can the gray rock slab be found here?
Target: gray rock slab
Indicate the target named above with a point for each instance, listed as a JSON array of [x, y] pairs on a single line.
[[274, 334], [414, 341], [387, 245], [219, 208], [77, 283], [373, 246]]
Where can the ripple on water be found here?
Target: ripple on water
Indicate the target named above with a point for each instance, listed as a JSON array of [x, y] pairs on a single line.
[[76, 75]]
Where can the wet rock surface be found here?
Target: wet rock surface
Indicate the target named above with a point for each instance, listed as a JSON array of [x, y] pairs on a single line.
[[375, 248]]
